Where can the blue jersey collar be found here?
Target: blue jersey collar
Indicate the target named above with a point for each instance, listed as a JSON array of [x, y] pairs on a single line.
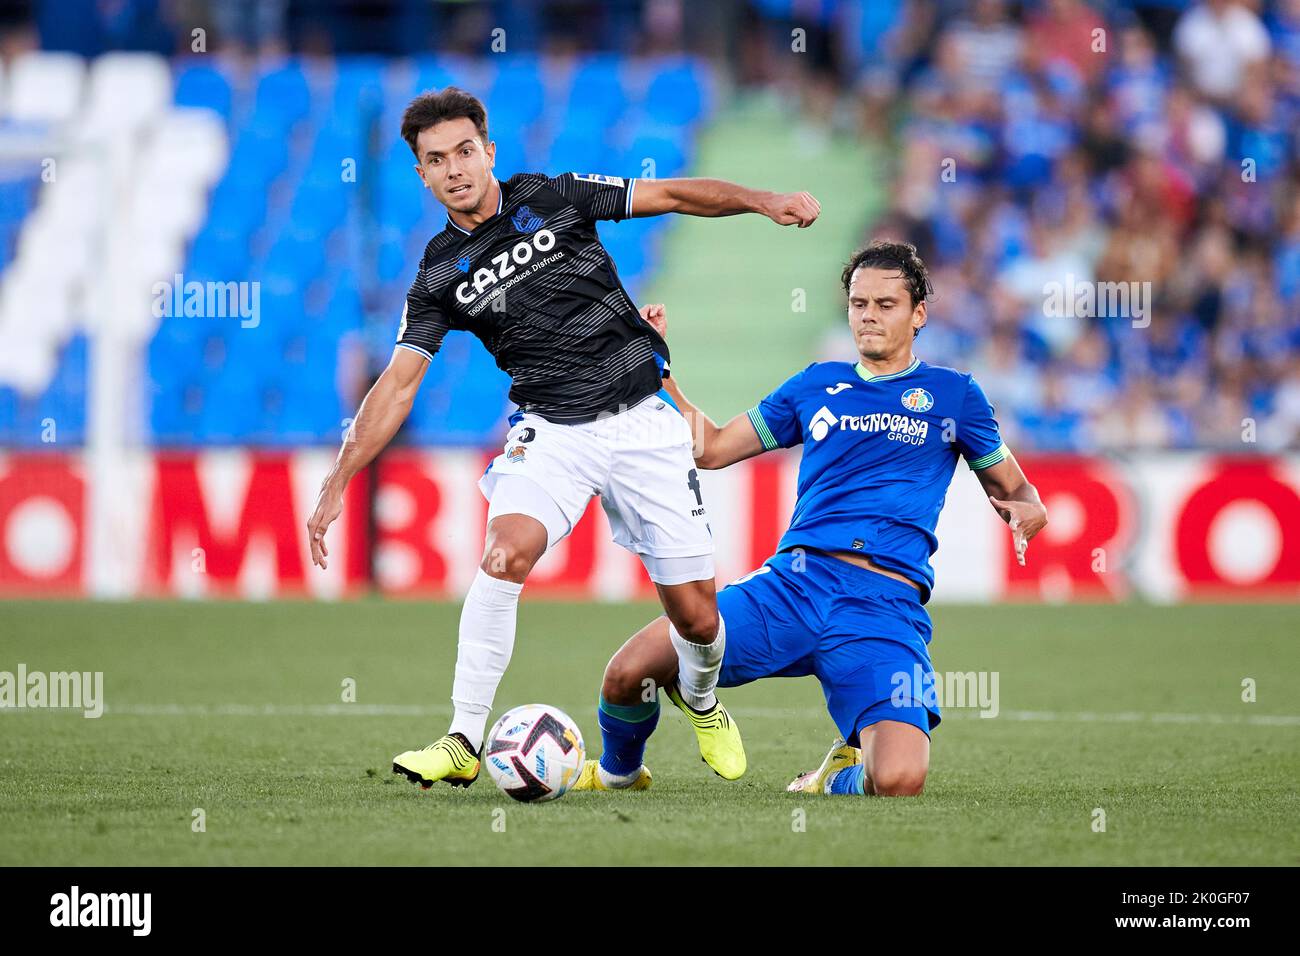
[[868, 377]]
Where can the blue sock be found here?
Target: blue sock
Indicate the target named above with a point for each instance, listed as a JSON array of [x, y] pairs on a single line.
[[848, 780], [624, 729]]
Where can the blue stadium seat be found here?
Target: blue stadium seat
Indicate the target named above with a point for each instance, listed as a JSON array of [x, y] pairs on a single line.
[[283, 95], [575, 152], [261, 153], [203, 86], [518, 96], [8, 415], [676, 96], [666, 151], [358, 85], [596, 96]]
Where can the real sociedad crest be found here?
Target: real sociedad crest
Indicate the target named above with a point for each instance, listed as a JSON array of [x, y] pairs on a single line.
[[918, 400], [525, 220]]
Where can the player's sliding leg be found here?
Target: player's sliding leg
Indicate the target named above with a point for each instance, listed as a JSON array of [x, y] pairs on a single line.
[[628, 711], [892, 762], [514, 544], [840, 757]]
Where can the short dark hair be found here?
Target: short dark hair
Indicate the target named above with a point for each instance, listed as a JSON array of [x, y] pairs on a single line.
[[900, 257], [437, 106]]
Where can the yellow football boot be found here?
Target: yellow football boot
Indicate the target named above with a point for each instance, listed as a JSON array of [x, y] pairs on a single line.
[[717, 734], [840, 757], [589, 779], [449, 758]]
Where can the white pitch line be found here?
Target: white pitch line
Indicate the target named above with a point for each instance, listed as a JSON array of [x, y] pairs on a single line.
[[761, 713], [278, 710]]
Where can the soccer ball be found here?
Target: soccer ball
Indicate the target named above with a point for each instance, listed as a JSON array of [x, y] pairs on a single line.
[[534, 753]]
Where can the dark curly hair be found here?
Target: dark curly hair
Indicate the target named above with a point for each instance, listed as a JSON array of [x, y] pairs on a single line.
[[900, 257], [437, 106]]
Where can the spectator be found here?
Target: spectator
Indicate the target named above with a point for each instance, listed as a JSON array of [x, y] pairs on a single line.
[[1219, 43]]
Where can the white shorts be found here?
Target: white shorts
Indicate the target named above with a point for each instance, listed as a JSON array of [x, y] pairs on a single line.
[[639, 462]]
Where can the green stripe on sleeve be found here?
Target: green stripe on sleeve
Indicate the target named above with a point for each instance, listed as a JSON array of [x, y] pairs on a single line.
[[992, 458], [764, 433]]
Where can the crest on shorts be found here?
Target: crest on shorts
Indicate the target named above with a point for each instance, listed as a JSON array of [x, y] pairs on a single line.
[[517, 453], [918, 400]]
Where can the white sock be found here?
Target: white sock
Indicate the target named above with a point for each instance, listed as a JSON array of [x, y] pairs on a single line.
[[487, 638], [698, 666], [615, 781]]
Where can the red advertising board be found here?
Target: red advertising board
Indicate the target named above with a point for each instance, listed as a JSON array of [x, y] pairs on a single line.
[[232, 523]]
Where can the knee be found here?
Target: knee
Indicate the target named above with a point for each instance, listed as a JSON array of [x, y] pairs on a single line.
[[622, 683], [698, 624], [899, 778], [505, 559]]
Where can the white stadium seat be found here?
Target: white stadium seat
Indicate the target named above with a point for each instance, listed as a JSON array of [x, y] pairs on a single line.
[[127, 90], [45, 87]]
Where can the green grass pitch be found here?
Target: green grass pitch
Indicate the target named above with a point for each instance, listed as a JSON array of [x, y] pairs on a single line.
[[236, 709]]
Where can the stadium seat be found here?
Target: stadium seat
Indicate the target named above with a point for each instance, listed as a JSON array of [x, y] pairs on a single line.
[[518, 96], [201, 86], [597, 98], [126, 91], [676, 95], [283, 95], [45, 87]]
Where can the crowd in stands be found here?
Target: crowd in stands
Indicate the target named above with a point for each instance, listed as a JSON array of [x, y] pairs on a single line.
[[1040, 145]]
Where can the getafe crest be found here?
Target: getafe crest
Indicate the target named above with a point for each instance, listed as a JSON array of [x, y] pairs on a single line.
[[918, 400]]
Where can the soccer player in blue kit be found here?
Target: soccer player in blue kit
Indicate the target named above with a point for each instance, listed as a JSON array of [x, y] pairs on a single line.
[[844, 596]]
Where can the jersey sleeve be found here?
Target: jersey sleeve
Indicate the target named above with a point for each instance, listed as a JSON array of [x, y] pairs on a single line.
[[595, 196], [979, 440], [776, 417], [424, 324]]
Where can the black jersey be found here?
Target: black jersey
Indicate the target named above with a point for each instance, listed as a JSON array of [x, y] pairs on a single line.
[[536, 286]]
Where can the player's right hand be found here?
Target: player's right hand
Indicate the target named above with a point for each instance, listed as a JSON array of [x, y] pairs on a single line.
[[329, 504], [657, 317], [788, 209]]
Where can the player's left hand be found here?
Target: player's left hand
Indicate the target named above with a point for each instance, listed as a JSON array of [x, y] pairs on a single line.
[[657, 316], [788, 209], [1024, 518]]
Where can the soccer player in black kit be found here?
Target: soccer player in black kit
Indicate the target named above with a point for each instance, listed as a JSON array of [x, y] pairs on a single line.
[[520, 265]]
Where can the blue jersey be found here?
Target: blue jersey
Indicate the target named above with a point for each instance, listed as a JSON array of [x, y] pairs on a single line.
[[879, 452]]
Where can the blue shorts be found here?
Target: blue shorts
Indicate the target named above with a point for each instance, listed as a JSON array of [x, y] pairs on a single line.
[[863, 635]]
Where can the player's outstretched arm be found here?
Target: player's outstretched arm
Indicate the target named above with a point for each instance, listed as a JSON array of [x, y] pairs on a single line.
[[715, 447], [1015, 500], [717, 197], [381, 414]]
